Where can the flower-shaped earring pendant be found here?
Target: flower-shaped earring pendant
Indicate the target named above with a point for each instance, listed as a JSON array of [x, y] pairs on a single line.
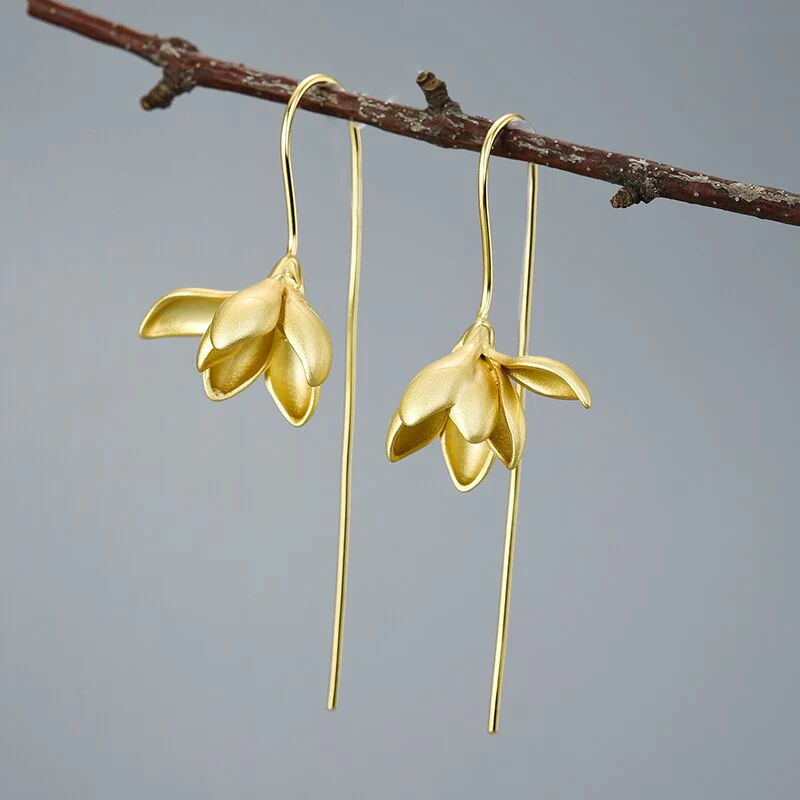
[[270, 330], [473, 399], [468, 400], [267, 329]]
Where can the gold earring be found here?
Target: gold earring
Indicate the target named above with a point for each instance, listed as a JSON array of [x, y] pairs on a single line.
[[270, 329], [468, 400]]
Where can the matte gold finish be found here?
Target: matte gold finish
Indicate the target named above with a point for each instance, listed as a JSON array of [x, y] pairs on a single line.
[[186, 312], [512, 506], [270, 330], [469, 398], [349, 411]]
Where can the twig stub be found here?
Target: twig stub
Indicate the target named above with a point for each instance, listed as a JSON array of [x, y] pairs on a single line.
[[630, 195], [436, 94], [173, 83], [178, 77]]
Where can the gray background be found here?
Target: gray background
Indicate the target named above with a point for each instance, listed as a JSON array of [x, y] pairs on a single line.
[[167, 564]]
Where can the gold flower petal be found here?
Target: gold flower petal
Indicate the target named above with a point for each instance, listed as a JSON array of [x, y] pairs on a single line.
[[475, 411], [207, 355], [402, 440], [249, 313], [508, 437], [286, 381], [439, 385], [238, 369], [184, 312], [467, 463], [547, 377], [308, 336]]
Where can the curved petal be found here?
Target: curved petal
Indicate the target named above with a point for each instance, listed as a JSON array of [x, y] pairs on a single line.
[[184, 312], [467, 463], [207, 355], [286, 381], [508, 437], [438, 386], [402, 440], [236, 371], [249, 313], [547, 377], [308, 336], [475, 410]]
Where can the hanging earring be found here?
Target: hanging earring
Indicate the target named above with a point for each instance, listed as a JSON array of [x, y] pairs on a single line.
[[270, 329], [468, 400]]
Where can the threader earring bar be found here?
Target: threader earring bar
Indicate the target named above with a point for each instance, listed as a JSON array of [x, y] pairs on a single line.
[[522, 348], [350, 347]]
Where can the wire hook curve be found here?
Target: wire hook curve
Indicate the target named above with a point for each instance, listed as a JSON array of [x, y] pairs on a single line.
[[350, 359]]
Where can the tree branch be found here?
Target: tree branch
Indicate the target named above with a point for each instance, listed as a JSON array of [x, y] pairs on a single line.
[[442, 122]]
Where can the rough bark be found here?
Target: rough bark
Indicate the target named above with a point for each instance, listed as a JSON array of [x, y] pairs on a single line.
[[441, 122]]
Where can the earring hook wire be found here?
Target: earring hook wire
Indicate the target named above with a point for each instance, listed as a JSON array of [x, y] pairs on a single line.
[[350, 347], [512, 508]]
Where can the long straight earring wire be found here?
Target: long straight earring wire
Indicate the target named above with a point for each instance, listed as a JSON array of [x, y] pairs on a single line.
[[349, 410], [515, 474], [350, 347]]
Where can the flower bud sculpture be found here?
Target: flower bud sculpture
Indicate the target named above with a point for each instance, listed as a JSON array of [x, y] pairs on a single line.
[[468, 400], [267, 329]]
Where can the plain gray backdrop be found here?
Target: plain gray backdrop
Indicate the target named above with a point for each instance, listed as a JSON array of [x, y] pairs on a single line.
[[167, 564]]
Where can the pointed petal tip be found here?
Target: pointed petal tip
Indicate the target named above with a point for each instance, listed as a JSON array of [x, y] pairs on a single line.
[[286, 381], [204, 351], [217, 395], [211, 393], [548, 377], [297, 417], [228, 376], [512, 462], [148, 328], [468, 464], [582, 393], [391, 435], [308, 336], [464, 488], [402, 440]]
